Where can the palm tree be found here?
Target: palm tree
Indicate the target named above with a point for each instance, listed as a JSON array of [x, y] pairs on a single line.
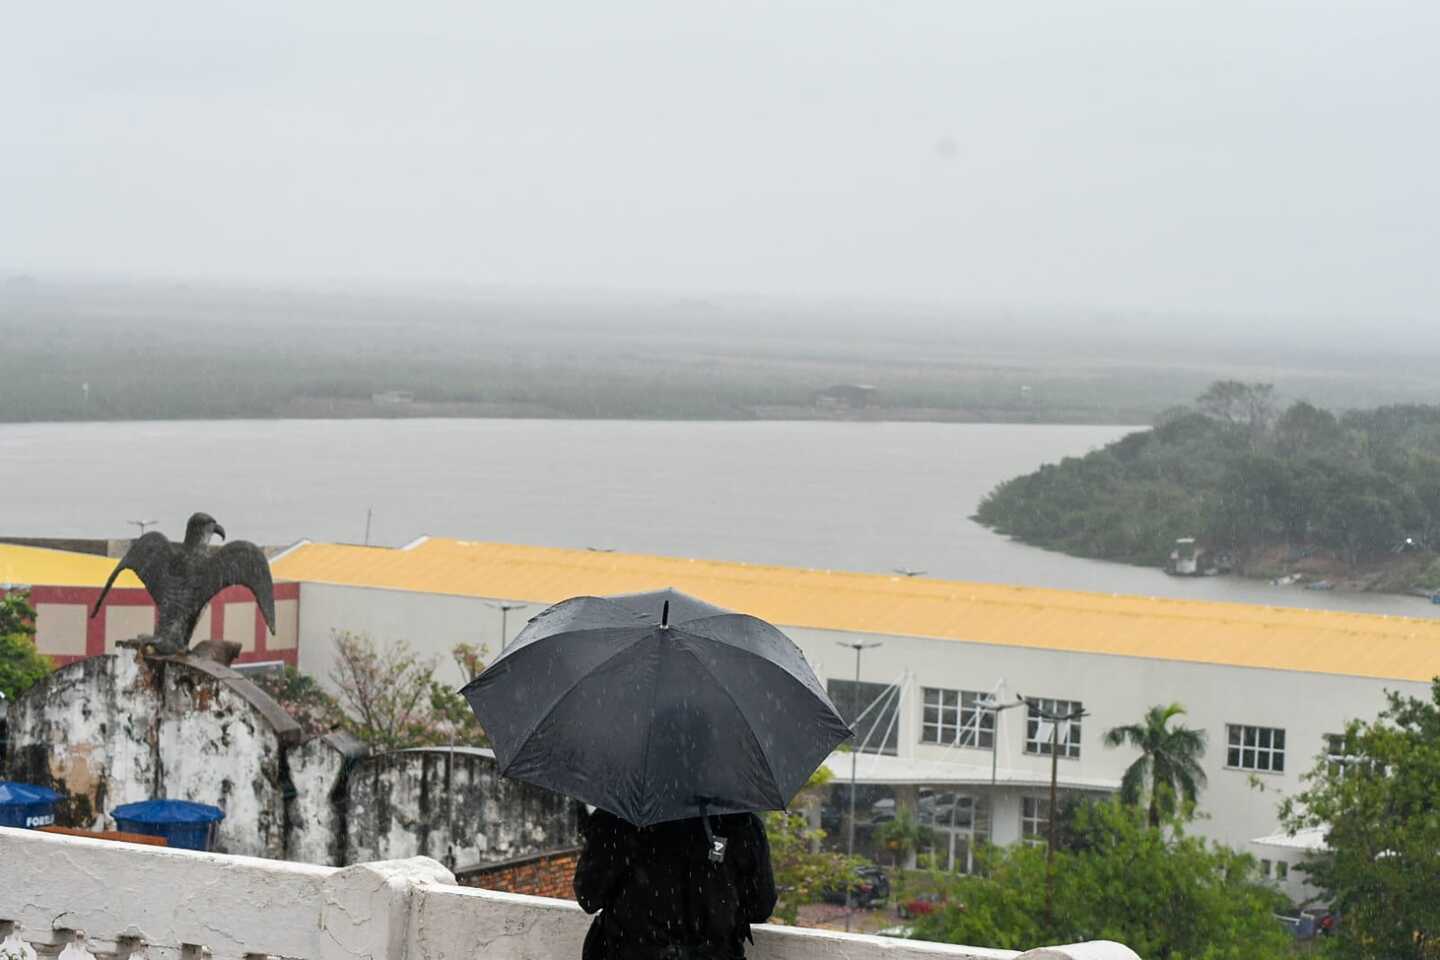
[[1169, 757]]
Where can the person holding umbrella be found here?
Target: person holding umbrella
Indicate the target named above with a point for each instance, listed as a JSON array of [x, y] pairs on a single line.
[[678, 890], [677, 720]]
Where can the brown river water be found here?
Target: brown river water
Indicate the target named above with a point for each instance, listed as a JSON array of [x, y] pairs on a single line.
[[853, 496]]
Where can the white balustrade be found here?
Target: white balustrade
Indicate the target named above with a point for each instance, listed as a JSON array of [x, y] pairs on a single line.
[[77, 898]]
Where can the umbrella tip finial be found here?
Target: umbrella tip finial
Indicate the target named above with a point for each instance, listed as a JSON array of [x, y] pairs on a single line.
[[665, 614]]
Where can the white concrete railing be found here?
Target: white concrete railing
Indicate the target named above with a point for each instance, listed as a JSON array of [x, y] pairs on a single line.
[[82, 898]]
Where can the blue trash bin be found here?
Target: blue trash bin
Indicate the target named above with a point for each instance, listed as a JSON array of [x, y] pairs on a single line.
[[190, 826], [26, 805]]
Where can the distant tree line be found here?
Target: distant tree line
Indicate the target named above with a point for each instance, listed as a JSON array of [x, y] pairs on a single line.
[[1238, 473]]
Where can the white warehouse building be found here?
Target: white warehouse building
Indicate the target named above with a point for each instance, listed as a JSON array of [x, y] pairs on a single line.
[[1268, 685]]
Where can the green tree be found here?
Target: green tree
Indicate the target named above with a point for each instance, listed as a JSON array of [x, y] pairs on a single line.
[[470, 658], [16, 615], [801, 870], [1169, 760], [21, 664], [1361, 524], [1243, 404], [1381, 815], [1304, 430], [392, 700], [1165, 895], [302, 696]]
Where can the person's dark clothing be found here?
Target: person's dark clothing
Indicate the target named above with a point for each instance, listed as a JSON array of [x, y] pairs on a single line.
[[659, 895]]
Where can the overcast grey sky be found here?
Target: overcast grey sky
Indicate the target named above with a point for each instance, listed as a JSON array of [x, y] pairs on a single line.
[[1199, 156]]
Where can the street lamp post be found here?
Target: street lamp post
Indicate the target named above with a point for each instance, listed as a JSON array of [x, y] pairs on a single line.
[[997, 709], [858, 647], [505, 609]]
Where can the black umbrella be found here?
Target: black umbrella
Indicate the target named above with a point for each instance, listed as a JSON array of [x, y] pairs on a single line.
[[656, 706]]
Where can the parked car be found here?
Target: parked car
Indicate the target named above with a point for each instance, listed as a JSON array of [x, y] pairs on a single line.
[[920, 905], [1310, 923], [870, 888]]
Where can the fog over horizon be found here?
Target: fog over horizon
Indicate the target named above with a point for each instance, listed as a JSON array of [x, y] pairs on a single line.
[[1165, 162]]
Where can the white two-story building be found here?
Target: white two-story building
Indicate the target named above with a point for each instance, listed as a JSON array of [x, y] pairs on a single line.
[[1268, 686]]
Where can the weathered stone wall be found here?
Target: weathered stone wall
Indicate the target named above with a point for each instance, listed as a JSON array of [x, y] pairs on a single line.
[[452, 805], [120, 728], [80, 733], [319, 770], [219, 744]]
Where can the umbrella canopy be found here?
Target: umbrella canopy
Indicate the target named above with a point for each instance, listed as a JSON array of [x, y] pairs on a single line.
[[656, 706]]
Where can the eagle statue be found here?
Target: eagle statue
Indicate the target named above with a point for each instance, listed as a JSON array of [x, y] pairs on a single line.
[[183, 577]]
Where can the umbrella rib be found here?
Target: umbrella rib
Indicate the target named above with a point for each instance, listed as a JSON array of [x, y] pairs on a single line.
[[769, 765], [650, 730], [752, 655], [520, 742], [727, 642], [516, 647]]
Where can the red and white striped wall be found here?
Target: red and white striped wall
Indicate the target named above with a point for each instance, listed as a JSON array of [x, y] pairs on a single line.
[[65, 632]]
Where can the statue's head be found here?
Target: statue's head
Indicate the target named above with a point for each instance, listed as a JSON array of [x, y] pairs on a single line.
[[201, 527]]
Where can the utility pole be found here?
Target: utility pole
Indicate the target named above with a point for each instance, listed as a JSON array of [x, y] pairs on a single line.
[[858, 647], [997, 709], [1055, 719], [368, 512]]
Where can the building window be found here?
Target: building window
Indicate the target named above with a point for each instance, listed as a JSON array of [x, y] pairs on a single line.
[[1034, 817], [1282, 870], [1339, 762], [1039, 732], [1256, 748], [878, 729], [1342, 764], [1265, 868], [1335, 752], [957, 718]]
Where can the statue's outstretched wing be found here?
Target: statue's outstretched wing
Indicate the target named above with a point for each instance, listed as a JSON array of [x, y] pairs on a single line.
[[243, 564], [149, 557]]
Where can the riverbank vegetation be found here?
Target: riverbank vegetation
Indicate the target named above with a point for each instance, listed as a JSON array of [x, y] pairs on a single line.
[[1277, 490]]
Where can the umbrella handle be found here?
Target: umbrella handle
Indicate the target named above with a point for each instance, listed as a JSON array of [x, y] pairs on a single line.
[[715, 845]]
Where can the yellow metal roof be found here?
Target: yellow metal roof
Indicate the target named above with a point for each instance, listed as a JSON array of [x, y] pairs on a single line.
[[1222, 633], [36, 566]]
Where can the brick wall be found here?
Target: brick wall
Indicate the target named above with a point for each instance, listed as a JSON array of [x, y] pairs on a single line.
[[549, 874]]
